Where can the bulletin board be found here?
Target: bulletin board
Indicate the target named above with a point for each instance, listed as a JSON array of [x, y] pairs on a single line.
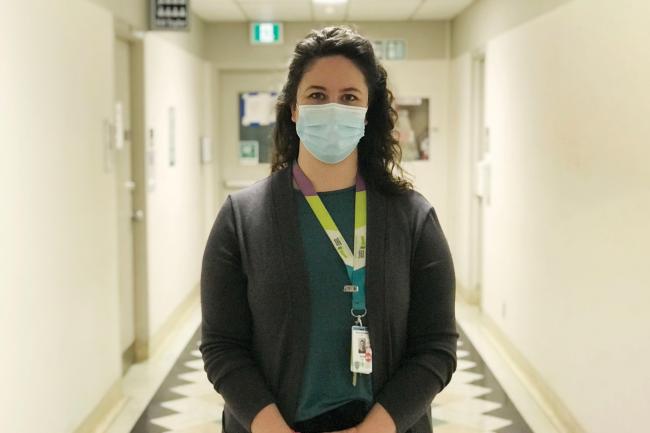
[[413, 127], [256, 123]]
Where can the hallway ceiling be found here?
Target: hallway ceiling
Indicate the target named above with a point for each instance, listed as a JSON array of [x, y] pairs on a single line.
[[313, 10]]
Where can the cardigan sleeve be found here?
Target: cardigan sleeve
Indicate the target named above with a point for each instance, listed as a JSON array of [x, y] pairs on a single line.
[[226, 333], [430, 358]]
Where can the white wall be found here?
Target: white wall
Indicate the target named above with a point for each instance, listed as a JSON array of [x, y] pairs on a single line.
[[59, 319], [58, 235], [485, 19], [210, 172], [427, 78], [461, 189], [134, 14], [176, 218], [567, 229]]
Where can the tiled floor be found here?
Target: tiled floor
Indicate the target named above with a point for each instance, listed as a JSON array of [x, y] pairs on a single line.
[[186, 401], [474, 401]]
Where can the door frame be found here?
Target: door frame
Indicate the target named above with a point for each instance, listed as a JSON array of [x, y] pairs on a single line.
[[124, 32]]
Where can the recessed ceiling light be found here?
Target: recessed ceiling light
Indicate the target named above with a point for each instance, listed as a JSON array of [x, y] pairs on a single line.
[[330, 2]]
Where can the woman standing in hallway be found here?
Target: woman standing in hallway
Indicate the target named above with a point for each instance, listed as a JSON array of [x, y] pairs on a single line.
[[328, 288]]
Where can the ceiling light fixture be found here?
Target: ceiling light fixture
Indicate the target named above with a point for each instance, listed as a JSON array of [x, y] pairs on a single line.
[[329, 2]]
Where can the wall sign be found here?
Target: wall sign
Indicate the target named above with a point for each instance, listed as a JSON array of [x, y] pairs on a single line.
[[249, 152], [389, 49], [169, 15], [266, 33]]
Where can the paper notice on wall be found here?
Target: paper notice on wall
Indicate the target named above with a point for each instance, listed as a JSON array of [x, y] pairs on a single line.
[[119, 126], [249, 152], [258, 108], [206, 150]]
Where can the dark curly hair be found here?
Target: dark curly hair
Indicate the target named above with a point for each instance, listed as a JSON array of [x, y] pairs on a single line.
[[379, 153]]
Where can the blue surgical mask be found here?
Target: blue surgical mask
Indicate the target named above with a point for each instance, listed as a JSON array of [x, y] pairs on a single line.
[[331, 132]]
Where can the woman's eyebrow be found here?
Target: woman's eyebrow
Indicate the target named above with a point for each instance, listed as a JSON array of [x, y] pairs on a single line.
[[347, 89], [315, 87]]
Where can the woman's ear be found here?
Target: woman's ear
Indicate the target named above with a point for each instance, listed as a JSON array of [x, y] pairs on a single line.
[[293, 113]]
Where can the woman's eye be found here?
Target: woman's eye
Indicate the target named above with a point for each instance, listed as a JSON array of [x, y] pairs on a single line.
[[350, 98], [317, 95]]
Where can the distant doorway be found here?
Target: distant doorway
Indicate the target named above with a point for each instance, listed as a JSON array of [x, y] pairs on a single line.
[[130, 195]]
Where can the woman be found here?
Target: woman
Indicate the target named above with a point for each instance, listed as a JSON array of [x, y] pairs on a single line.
[[290, 285]]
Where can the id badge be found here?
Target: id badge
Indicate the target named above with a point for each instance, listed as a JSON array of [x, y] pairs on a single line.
[[361, 359]]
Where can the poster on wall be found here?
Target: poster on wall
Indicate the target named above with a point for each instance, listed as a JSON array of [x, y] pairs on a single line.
[[249, 152], [413, 127], [256, 123]]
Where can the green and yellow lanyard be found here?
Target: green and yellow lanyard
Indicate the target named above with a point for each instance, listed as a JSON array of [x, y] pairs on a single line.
[[355, 264]]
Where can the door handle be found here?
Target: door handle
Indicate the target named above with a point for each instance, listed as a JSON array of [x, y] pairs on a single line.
[[138, 215]]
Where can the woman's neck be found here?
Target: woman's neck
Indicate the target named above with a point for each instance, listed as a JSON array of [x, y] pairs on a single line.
[[328, 177]]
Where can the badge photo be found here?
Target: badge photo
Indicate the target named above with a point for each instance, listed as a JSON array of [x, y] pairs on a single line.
[[361, 352]]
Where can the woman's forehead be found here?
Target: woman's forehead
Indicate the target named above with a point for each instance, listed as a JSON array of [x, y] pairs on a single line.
[[334, 73]]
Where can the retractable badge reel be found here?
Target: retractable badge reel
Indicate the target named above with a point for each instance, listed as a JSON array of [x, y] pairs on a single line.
[[361, 350]]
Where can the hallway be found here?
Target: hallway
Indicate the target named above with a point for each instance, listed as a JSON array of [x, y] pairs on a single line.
[[127, 125]]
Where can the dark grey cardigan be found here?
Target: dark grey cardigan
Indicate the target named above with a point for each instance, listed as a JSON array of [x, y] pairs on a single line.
[[255, 304]]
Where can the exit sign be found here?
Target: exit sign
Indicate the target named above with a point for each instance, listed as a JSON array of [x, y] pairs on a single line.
[[266, 33]]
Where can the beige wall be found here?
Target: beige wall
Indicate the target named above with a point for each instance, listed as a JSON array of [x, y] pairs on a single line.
[[133, 12], [192, 41], [429, 79], [461, 185], [485, 19], [59, 313], [228, 43], [175, 222], [133, 15], [566, 231], [58, 248]]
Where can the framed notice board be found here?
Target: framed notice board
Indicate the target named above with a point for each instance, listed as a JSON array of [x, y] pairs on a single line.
[[256, 123]]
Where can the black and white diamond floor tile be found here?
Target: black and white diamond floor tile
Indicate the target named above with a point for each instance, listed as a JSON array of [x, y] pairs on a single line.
[[473, 402]]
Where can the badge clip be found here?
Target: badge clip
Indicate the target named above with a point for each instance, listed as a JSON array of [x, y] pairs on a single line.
[[350, 289]]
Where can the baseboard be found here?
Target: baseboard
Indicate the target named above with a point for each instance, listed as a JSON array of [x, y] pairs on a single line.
[[128, 358], [180, 313], [112, 399], [470, 297], [551, 404], [145, 349]]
